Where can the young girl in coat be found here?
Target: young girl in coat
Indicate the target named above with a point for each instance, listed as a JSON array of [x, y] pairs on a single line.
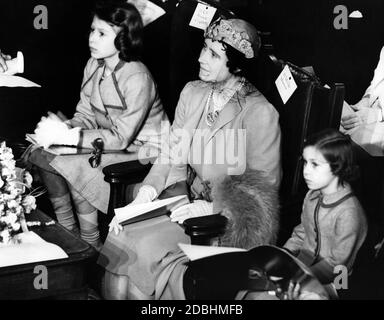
[[333, 225], [119, 104]]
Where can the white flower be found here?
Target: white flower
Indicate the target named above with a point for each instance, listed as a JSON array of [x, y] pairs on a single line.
[[4, 234], [14, 189], [16, 226], [10, 219], [8, 197], [12, 204], [28, 179], [10, 164], [6, 172], [6, 156], [29, 203]]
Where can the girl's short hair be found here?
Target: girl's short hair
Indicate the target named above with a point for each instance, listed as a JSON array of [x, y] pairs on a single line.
[[124, 15], [337, 149]]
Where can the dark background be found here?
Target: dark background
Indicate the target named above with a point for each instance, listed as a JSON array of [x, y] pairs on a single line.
[[301, 32], [54, 57]]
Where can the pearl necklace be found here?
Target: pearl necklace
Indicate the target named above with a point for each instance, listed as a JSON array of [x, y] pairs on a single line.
[[217, 107]]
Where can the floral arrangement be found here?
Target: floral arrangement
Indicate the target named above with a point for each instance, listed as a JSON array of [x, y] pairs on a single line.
[[16, 197]]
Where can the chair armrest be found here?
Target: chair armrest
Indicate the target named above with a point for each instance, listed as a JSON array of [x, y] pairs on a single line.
[[128, 172], [203, 229], [119, 176]]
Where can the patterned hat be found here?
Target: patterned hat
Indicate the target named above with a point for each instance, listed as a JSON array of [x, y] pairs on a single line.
[[237, 33]]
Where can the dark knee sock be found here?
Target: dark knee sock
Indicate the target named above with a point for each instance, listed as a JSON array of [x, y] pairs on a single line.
[[64, 213], [87, 215], [59, 196], [56, 185]]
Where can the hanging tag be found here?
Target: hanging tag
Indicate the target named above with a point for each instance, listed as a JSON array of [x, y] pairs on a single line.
[[285, 84], [202, 16]]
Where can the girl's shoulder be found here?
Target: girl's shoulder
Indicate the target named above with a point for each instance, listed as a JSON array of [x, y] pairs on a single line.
[[131, 68], [133, 71]]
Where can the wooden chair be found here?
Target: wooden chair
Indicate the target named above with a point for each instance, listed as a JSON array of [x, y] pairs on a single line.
[[310, 109]]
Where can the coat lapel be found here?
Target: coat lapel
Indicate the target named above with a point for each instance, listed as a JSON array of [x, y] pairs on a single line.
[[230, 111], [96, 100], [197, 112], [194, 114]]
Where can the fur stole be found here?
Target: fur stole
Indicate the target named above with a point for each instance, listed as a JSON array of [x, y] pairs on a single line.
[[251, 205]]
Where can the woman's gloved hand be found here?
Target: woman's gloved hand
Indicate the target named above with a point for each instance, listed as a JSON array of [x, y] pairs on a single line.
[[52, 131], [197, 208], [115, 226], [146, 194]]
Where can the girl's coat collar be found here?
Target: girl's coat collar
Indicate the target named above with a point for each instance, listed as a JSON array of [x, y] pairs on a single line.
[[119, 65], [331, 200]]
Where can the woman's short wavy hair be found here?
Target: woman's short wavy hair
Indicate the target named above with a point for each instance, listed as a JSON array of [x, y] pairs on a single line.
[[124, 15], [237, 63], [337, 149]]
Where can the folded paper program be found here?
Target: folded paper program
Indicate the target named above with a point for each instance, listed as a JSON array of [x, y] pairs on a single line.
[[15, 81], [195, 252], [143, 211]]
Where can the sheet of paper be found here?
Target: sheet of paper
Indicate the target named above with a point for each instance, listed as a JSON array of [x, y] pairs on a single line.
[[131, 211], [195, 252], [202, 16], [285, 84], [16, 81], [148, 10], [31, 249]]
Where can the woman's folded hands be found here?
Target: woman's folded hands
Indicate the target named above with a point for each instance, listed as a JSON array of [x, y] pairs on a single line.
[[197, 208]]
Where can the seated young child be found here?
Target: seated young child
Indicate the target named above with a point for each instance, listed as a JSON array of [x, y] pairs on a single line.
[[333, 225]]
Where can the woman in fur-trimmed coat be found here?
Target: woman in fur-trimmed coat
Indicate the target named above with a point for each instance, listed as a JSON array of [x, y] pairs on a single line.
[[222, 126]]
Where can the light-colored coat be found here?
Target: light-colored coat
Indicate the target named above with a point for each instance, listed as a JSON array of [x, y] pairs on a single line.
[[342, 231], [125, 111], [147, 252], [248, 114], [122, 109]]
